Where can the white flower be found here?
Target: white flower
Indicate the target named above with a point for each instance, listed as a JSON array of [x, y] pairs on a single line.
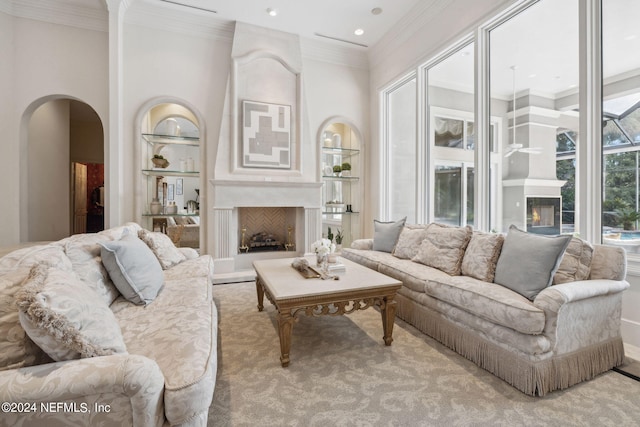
[[323, 246]]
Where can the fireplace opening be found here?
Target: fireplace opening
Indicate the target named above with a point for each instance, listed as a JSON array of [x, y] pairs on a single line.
[[266, 229], [544, 215]]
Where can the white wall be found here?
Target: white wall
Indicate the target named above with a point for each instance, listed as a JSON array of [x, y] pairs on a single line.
[[631, 312], [48, 62], [9, 230], [49, 172]]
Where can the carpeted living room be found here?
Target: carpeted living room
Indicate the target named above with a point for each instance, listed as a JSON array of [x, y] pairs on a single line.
[[285, 213]]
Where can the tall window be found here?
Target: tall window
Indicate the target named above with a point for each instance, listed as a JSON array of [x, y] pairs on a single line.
[[534, 88], [621, 124], [400, 139], [450, 100]]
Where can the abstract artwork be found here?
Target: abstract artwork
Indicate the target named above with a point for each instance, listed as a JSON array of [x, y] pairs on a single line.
[[266, 137]]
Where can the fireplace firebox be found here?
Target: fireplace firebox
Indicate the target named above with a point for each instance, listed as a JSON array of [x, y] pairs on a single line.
[[544, 215]]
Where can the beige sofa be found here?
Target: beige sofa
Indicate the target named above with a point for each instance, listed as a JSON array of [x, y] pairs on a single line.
[[165, 375], [567, 333]]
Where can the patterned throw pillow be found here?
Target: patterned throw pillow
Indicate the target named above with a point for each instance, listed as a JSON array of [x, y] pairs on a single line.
[[162, 247], [576, 262], [481, 256], [409, 241], [443, 248], [65, 317], [16, 348]]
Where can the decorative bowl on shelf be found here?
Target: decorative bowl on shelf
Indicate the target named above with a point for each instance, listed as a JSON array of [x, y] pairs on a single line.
[[160, 163]]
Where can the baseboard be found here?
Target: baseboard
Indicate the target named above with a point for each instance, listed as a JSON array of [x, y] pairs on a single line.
[[630, 330]]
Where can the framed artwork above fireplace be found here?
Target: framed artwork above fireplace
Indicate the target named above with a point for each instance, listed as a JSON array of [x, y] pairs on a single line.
[[266, 135]]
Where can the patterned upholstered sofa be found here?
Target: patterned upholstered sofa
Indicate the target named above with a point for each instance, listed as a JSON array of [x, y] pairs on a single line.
[[567, 332], [149, 360]]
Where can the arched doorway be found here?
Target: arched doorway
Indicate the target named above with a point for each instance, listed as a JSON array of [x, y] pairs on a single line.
[[62, 164]]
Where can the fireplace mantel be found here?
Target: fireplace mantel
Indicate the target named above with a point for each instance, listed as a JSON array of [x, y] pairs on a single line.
[[229, 195], [246, 193]]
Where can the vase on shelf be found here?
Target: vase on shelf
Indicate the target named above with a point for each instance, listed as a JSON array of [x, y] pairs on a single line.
[[155, 207]]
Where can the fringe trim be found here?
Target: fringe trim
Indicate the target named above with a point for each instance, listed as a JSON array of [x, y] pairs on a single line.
[[530, 377]]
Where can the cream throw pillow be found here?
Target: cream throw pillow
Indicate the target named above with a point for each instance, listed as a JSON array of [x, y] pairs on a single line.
[[65, 317], [409, 241], [576, 262], [481, 256], [443, 247], [162, 247]]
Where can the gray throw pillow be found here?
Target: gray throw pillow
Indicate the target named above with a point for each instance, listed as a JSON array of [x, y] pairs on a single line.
[[133, 268], [386, 234], [528, 261]]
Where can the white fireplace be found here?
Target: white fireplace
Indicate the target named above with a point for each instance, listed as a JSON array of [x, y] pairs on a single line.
[[303, 214]]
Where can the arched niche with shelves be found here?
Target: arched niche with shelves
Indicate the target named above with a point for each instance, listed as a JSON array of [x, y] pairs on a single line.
[[171, 165], [341, 171]]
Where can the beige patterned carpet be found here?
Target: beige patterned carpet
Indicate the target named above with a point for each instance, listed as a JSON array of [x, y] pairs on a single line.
[[341, 374]]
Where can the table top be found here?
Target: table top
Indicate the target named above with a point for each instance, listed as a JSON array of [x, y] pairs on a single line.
[[284, 282]]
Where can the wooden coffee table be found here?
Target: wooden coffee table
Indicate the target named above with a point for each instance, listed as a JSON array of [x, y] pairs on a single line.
[[359, 288]]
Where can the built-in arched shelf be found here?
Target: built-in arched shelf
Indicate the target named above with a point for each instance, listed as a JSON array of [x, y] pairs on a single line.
[[170, 165], [341, 171]]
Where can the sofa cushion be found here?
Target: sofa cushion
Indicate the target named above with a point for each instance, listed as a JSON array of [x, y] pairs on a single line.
[[366, 257], [576, 262], [134, 269], [162, 247], [481, 256], [66, 318], [16, 348], [386, 234], [489, 301], [443, 247], [409, 241], [181, 325], [52, 253], [83, 251], [528, 261]]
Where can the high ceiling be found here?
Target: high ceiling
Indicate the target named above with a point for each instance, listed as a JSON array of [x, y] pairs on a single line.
[[541, 42], [332, 18]]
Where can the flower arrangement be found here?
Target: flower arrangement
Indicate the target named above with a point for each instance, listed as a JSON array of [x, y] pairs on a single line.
[[323, 247]]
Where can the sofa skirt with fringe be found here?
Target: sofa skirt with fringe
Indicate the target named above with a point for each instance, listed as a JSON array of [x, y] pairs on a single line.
[[532, 377]]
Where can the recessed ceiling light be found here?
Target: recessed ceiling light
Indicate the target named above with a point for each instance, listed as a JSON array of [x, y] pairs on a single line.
[[359, 32], [376, 10], [272, 12], [631, 37], [532, 75]]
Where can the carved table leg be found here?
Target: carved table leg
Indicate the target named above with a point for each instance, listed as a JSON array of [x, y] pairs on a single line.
[[260, 291], [388, 312], [285, 328]]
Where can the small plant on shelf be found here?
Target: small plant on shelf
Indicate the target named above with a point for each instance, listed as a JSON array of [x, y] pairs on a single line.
[[339, 237], [346, 169], [159, 161], [329, 234], [337, 169]]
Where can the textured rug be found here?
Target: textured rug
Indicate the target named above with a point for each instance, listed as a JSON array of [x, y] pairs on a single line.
[[630, 368], [342, 374]]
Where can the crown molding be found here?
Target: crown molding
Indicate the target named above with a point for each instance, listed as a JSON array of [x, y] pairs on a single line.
[[331, 53], [52, 11]]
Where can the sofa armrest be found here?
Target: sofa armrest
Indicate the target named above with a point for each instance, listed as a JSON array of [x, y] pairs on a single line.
[[362, 244], [127, 388], [578, 290], [582, 313]]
